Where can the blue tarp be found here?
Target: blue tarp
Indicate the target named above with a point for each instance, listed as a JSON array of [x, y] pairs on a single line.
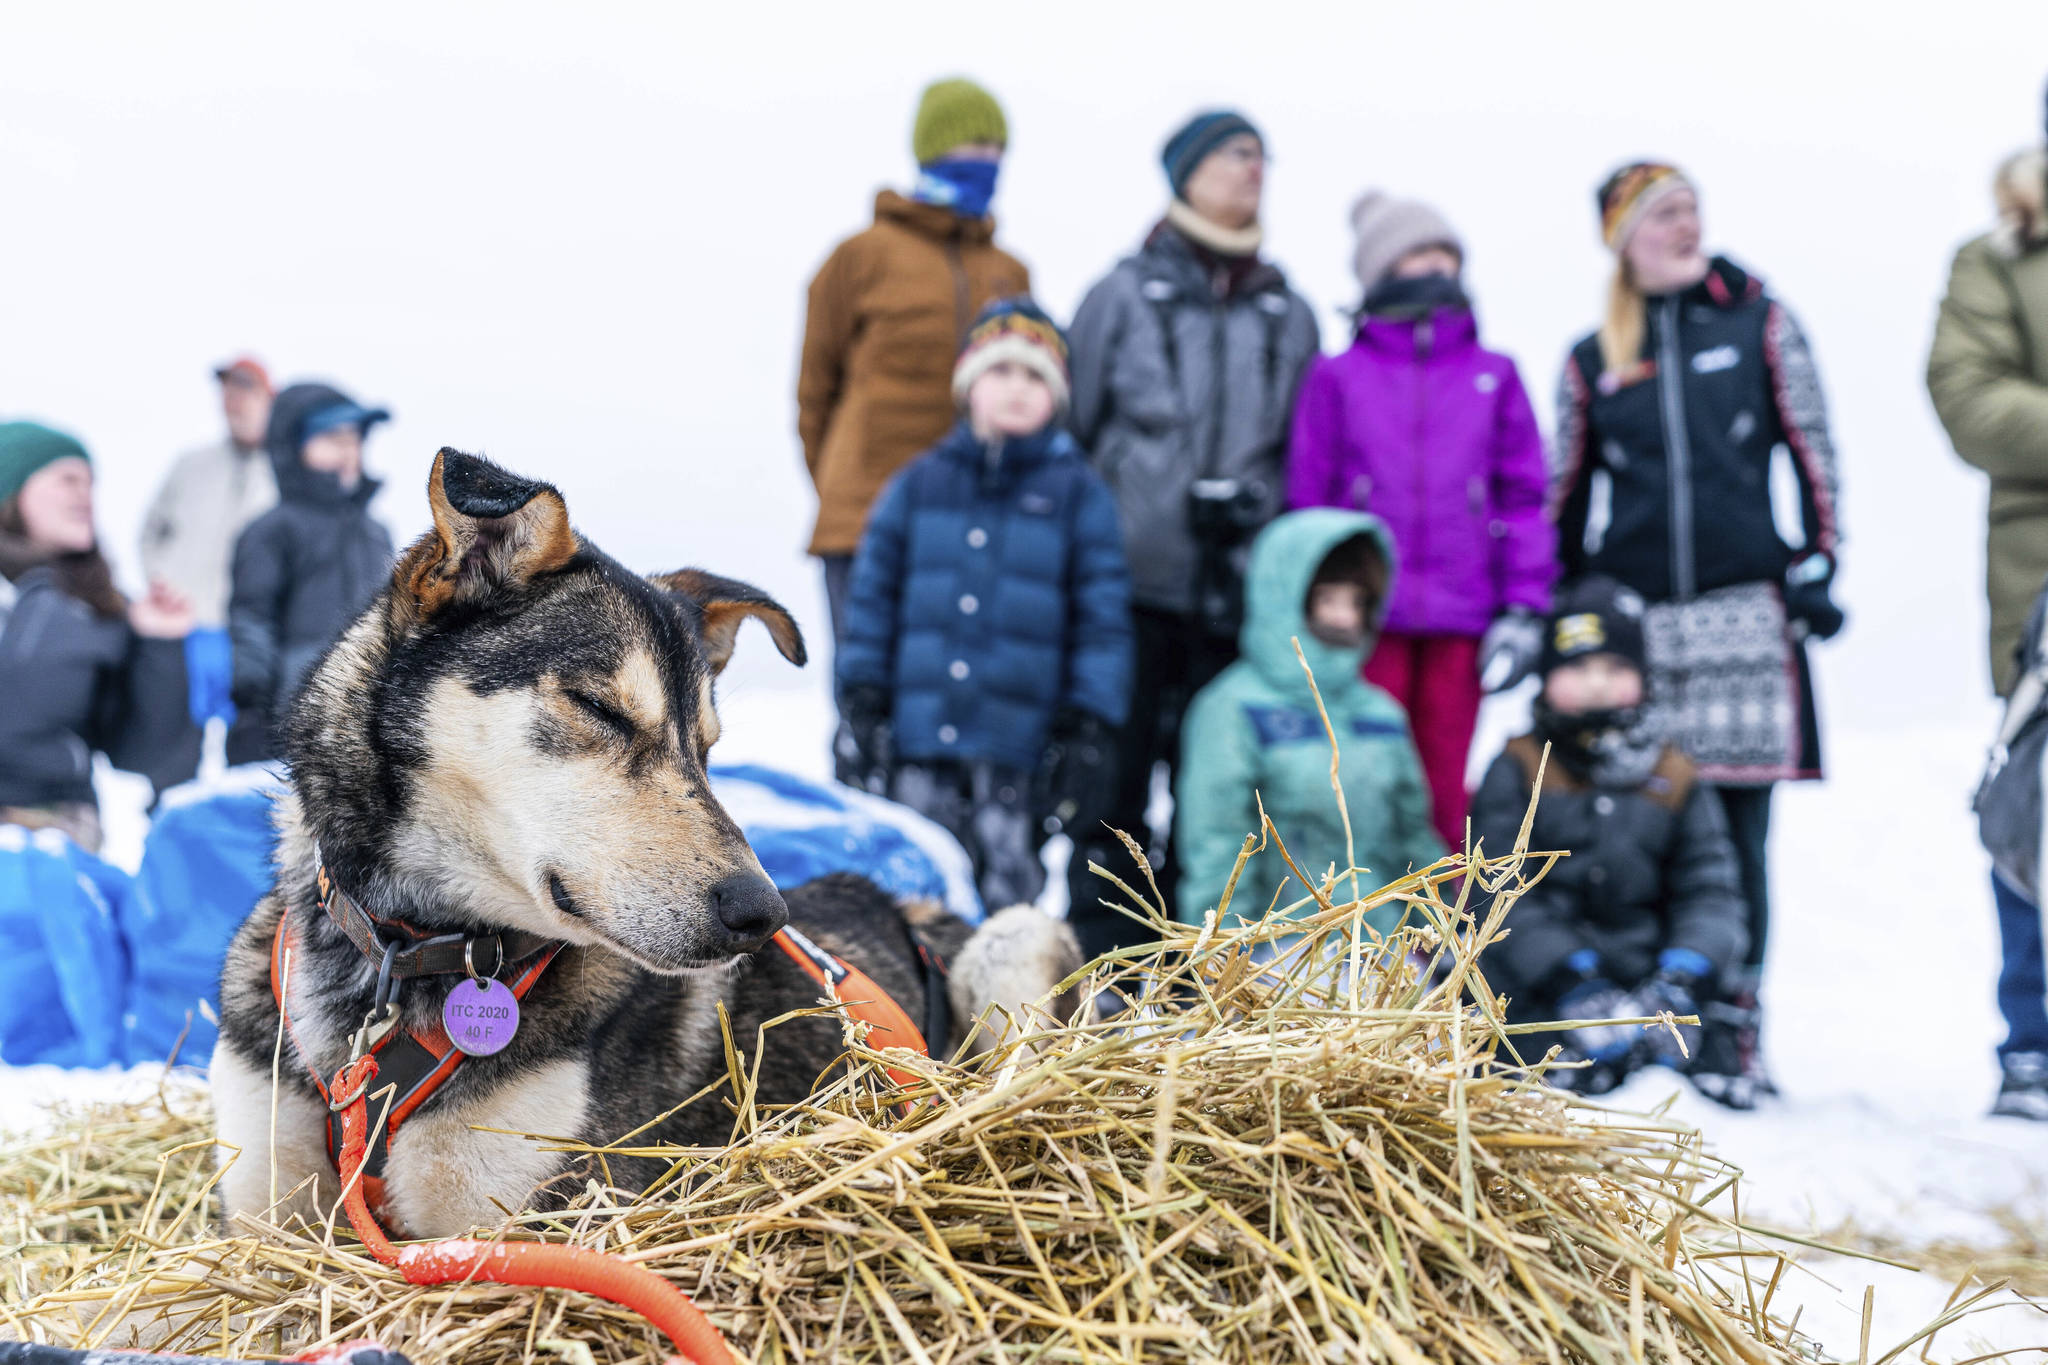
[[98, 967], [802, 829], [63, 971], [205, 865]]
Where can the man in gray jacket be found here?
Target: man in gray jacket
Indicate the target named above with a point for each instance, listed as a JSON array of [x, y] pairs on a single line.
[[209, 495], [1186, 358], [188, 533]]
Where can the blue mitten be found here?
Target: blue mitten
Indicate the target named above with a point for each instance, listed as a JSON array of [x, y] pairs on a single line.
[[209, 668]]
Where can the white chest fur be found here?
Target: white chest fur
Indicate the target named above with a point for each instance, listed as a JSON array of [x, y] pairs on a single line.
[[444, 1177]]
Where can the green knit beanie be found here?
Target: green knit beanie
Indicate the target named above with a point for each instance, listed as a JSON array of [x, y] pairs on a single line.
[[952, 114], [26, 447]]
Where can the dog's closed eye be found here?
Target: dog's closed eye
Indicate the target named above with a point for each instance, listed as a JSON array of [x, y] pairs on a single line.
[[603, 712]]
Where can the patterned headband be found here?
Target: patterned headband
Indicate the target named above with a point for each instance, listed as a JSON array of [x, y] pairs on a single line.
[[1628, 195]]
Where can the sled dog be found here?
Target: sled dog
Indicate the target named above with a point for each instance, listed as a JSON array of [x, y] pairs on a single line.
[[501, 866]]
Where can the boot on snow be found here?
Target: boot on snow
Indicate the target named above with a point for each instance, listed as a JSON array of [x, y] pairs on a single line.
[[1721, 1069], [1749, 1041], [2023, 1092]]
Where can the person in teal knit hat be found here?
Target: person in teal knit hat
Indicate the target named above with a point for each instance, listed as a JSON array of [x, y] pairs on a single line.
[[84, 670], [1253, 736]]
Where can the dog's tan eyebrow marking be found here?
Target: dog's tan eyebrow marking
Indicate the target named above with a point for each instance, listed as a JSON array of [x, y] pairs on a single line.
[[637, 684], [708, 728]]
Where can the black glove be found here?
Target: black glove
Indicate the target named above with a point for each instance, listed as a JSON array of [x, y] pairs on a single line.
[[1609, 1050], [1808, 607], [1510, 648], [1675, 987], [1076, 772], [862, 750], [1605, 1044]]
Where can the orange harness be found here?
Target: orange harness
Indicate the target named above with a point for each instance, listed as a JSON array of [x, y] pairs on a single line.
[[418, 1062], [889, 1026], [415, 1062]]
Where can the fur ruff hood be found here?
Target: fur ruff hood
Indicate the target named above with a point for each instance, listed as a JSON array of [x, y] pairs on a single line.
[[2020, 192]]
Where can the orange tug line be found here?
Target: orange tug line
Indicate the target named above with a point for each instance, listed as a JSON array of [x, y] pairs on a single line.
[[537, 1264], [546, 1265]]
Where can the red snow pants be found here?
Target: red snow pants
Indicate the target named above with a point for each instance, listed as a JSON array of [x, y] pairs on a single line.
[[1436, 680]]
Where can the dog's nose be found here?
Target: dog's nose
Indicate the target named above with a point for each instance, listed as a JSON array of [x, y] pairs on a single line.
[[750, 908]]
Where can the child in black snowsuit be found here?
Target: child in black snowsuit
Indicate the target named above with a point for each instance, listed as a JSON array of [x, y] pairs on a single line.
[[305, 568], [1646, 914]]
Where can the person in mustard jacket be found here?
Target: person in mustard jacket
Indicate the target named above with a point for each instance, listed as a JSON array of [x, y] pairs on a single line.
[[889, 311]]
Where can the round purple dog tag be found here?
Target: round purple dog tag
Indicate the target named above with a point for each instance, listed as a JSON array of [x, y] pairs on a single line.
[[481, 1016]]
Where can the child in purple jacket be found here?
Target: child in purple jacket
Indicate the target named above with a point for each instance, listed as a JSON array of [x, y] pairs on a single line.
[[1424, 428]]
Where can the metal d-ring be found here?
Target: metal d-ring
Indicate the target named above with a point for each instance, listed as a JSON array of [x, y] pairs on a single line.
[[379, 1022], [377, 1025], [483, 982]]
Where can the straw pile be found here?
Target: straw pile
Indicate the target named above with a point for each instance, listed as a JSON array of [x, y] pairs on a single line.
[[1333, 1158]]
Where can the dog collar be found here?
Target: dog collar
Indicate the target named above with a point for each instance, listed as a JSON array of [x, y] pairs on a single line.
[[401, 951]]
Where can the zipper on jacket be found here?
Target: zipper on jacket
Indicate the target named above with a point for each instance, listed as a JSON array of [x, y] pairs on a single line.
[[958, 266], [1421, 457], [1219, 315], [1677, 452]]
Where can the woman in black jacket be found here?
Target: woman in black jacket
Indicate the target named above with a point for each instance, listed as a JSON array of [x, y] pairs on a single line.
[[82, 669], [1677, 407]]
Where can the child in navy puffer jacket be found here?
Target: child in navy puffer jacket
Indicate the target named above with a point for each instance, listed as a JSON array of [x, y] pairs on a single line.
[[987, 655]]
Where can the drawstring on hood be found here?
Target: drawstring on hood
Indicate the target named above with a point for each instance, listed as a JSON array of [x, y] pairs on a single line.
[[1284, 562]]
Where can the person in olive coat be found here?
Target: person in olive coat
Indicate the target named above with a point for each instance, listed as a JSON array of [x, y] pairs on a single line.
[[1988, 376]]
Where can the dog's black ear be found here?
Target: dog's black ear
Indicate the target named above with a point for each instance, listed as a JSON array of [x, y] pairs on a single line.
[[492, 529], [724, 603]]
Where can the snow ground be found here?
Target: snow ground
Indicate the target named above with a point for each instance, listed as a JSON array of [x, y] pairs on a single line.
[[1881, 1028]]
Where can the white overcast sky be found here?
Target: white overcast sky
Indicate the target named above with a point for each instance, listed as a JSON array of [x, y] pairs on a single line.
[[577, 237]]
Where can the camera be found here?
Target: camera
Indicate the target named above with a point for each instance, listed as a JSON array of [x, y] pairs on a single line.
[[1226, 511]]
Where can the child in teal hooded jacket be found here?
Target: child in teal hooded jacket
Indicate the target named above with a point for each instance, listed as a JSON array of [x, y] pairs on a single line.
[[1253, 734]]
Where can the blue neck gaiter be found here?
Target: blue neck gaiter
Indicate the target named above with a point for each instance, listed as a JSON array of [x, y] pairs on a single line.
[[964, 186]]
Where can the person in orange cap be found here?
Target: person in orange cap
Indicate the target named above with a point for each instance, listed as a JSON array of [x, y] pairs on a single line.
[[188, 534]]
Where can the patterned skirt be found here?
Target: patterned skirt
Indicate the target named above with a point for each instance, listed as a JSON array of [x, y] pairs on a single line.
[[1732, 685]]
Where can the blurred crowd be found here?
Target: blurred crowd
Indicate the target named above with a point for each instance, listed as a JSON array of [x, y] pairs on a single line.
[[1137, 573]]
